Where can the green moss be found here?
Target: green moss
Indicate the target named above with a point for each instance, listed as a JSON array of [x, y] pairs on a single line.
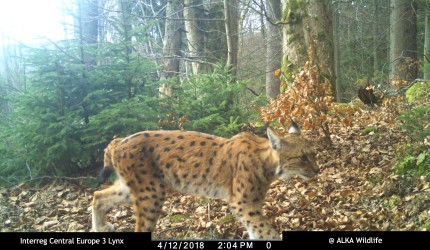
[[321, 36], [296, 5], [293, 11], [303, 50], [368, 130], [413, 159], [178, 217], [420, 91], [392, 201], [286, 69], [427, 226], [203, 201], [341, 105], [295, 37], [227, 219]]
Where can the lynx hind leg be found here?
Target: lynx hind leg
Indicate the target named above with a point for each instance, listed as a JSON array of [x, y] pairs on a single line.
[[106, 199]]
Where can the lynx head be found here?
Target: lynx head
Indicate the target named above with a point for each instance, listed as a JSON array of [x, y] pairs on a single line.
[[297, 157]]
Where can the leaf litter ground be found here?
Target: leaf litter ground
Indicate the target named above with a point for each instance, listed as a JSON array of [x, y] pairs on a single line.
[[356, 190]]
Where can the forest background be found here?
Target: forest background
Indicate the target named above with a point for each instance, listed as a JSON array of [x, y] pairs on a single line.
[[218, 67]]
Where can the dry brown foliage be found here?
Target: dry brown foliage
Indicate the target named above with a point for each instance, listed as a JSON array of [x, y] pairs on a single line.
[[308, 100]]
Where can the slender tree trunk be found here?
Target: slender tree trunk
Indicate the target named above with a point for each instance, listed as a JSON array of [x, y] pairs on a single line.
[[87, 31], [376, 37], [403, 45], [336, 48], [243, 15], [273, 49], [125, 6], [6, 67], [263, 29], [149, 10], [426, 58], [231, 15], [5, 76], [147, 7], [171, 44], [195, 38]]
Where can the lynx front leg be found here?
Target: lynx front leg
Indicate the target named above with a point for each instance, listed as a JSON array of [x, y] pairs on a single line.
[[257, 225], [104, 200]]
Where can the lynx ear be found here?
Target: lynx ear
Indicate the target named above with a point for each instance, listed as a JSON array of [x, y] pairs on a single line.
[[294, 129], [275, 141]]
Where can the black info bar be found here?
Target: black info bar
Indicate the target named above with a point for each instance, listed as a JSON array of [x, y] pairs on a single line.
[[290, 240]]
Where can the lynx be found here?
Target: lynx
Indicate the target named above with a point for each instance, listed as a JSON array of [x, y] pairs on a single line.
[[238, 170]]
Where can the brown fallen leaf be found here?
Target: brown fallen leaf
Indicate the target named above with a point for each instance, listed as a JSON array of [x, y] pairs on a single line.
[[409, 198], [375, 170]]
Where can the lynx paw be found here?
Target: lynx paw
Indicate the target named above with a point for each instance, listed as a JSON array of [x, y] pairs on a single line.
[[107, 227]]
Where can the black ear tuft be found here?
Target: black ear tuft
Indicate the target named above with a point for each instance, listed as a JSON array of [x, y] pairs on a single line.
[[294, 129]]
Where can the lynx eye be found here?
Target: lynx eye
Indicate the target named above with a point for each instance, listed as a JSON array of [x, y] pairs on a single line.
[[304, 158]]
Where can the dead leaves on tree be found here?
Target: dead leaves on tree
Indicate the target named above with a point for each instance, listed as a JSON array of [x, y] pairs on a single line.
[[309, 101]]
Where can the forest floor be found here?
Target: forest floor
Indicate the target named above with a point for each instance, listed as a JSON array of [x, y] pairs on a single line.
[[356, 190]]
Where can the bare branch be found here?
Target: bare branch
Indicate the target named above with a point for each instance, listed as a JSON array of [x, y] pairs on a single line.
[[253, 91], [263, 12]]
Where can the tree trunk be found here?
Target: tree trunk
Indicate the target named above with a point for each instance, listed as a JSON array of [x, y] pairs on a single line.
[[231, 15], [273, 49], [294, 47], [320, 37], [375, 39], [171, 44], [426, 58], [87, 32], [195, 38], [403, 45], [336, 48], [126, 9], [308, 36]]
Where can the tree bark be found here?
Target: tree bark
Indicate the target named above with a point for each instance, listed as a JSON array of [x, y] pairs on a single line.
[[171, 44], [375, 38], [273, 49], [336, 48], [403, 45], [320, 37], [294, 47], [195, 38], [87, 32], [126, 11], [231, 15], [426, 58], [88, 29], [308, 36]]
